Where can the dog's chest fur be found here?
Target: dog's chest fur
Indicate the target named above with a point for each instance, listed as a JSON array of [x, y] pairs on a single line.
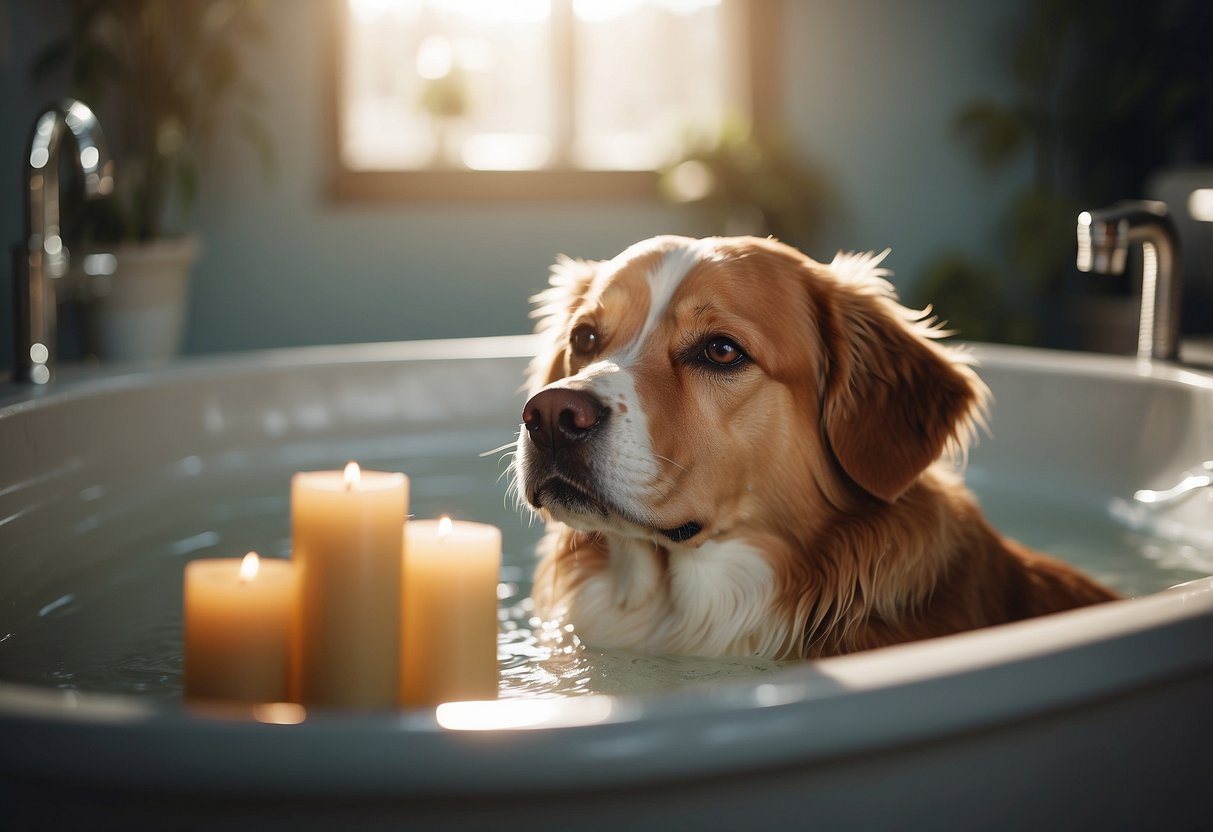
[[713, 600]]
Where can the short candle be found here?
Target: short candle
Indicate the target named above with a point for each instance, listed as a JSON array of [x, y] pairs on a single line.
[[450, 611], [347, 545], [237, 628]]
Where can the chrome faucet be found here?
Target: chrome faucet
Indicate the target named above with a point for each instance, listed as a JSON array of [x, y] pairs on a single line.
[[41, 259], [1104, 238]]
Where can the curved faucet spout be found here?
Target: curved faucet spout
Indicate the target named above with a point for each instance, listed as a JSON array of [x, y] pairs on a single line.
[[42, 257], [1104, 238]]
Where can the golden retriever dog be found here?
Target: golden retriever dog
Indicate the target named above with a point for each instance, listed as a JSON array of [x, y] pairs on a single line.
[[742, 451]]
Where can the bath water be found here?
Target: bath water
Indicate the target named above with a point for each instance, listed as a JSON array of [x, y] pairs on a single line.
[[112, 622]]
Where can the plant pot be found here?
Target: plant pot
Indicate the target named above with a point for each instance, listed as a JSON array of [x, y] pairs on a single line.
[[137, 298]]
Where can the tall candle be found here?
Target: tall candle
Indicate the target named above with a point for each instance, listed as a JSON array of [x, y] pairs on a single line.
[[238, 628], [347, 546], [450, 611]]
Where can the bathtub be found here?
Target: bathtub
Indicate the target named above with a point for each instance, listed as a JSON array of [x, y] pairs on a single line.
[[1099, 718]]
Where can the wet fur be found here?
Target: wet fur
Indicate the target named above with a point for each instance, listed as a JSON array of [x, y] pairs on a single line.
[[837, 521]]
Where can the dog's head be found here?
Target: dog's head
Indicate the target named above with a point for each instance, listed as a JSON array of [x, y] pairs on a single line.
[[709, 389]]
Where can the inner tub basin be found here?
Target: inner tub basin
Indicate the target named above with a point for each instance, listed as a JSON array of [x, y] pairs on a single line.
[[110, 483]]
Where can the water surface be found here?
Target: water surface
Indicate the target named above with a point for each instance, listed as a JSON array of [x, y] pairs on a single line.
[[113, 623]]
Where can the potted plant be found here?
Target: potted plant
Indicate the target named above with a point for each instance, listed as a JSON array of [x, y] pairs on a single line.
[[744, 182], [164, 78]]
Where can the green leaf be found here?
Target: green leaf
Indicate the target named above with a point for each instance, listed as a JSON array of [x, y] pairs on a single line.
[[968, 296], [997, 133]]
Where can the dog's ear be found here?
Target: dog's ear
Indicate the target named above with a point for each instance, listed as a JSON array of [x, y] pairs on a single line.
[[568, 283], [894, 398]]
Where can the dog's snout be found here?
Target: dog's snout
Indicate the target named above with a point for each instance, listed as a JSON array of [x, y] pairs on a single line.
[[558, 417]]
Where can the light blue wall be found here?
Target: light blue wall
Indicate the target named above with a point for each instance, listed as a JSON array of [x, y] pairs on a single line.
[[870, 88], [872, 91]]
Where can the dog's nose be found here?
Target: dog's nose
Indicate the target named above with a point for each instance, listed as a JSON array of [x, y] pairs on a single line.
[[556, 418]]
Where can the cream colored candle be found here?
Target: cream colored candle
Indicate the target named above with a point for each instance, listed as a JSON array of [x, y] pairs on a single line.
[[347, 547], [450, 611], [238, 628]]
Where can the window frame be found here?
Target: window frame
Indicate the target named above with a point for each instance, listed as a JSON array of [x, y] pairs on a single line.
[[759, 93]]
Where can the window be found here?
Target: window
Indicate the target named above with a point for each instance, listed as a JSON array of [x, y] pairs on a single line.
[[526, 98]]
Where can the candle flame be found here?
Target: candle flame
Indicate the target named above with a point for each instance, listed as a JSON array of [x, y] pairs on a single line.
[[249, 567], [445, 527], [353, 475]]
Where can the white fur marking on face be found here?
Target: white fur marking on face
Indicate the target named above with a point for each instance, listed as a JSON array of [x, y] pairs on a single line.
[[663, 282], [624, 467]]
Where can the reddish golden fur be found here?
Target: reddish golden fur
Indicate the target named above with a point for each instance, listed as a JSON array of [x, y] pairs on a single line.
[[821, 456]]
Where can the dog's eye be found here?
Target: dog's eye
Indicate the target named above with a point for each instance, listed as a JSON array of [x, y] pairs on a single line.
[[584, 340], [723, 351]]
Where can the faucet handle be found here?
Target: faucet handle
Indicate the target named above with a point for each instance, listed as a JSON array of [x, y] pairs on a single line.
[[1104, 235]]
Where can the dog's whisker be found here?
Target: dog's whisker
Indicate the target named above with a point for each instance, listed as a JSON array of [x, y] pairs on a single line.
[[682, 468], [672, 486], [506, 447]]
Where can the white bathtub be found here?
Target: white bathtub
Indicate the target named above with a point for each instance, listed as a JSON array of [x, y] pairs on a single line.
[[1096, 719]]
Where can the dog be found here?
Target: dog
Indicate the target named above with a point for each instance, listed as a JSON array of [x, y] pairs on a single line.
[[742, 451]]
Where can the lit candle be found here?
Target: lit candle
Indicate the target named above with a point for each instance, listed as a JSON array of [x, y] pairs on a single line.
[[238, 628], [347, 546], [450, 611]]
